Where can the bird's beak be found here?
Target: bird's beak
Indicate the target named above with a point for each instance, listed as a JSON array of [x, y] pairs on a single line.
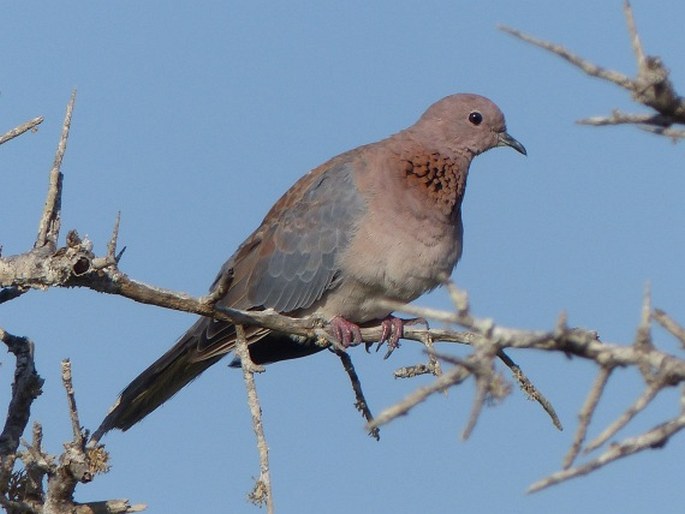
[[506, 140]]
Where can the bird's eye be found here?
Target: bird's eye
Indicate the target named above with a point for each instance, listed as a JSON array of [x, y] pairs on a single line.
[[476, 118]]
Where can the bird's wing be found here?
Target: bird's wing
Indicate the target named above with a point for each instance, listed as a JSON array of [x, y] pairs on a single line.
[[293, 258]]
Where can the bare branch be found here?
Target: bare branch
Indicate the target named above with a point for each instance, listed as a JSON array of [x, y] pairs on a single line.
[[26, 388], [645, 398], [586, 413], [10, 293], [108, 507], [71, 401], [112, 254], [634, 36], [656, 124], [584, 65], [414, 371], [672, 133], [262, 492], [24, 127], [654, 438], [529, 388], [677, 330], [651, 86], [360, 402], [482, 386], [432, 367], [454, 376], [74, 465], [48, 229], [619, 118]]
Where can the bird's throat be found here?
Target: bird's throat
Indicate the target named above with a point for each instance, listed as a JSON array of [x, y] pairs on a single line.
[[440, 178]]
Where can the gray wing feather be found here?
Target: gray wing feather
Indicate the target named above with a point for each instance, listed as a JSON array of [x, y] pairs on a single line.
[[308, 241]]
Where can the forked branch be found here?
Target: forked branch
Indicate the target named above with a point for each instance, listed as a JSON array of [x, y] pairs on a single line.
[[651, 87]]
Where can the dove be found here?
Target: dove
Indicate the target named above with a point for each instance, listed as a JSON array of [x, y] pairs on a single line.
[[378, 223]]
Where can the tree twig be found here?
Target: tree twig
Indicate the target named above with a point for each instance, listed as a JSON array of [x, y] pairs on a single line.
[[24, 127], [586, 413], [584, 65], [262, 492], [449, 378], [360, 402], [48, 228], [71, 402], [654, 438], [645, 399], [10, 293], [651, 86], [529, 388], [26, 388], [677, 330]]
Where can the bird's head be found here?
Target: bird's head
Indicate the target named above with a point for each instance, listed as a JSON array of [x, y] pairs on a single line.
[[464, 123]]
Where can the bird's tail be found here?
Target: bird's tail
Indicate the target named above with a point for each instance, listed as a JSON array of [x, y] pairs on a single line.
[[206, 342], [159, 382]]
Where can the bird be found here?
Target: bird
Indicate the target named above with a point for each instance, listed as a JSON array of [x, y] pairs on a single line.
[[380, 222]]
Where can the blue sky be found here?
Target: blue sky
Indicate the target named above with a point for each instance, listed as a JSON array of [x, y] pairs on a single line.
[[193, 118]]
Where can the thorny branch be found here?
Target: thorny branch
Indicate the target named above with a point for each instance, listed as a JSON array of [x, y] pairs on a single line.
[[46, 483], [659, 370], [78, 464], [651, 86]]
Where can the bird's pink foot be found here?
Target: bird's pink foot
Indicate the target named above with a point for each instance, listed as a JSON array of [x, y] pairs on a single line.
[[346, 332], [392, 330]]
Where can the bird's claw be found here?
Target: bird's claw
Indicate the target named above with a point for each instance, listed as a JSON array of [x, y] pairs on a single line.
[[392, 330], [346, 332]]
